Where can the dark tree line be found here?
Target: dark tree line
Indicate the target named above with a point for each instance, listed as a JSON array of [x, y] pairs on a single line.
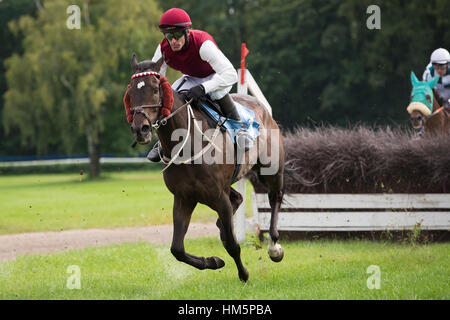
[[315, 60]]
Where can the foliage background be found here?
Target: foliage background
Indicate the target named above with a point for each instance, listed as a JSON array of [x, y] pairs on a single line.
[[316, 62]]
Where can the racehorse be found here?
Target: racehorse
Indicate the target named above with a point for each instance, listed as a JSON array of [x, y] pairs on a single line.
[[191, 182], [426, 115]]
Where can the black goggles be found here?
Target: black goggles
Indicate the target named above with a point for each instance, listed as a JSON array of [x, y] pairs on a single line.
[[176, 34], [440, 65]]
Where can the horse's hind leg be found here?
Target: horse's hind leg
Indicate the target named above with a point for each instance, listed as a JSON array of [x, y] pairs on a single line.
[[276, 252], [275, 185], [236, 200], [182, 211], [225, 224]]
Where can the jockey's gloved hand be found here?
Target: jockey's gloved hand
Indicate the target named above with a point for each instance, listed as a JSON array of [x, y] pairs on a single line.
[[195, 93]]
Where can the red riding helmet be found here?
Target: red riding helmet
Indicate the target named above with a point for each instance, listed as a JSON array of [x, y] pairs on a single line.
[[175, 18]]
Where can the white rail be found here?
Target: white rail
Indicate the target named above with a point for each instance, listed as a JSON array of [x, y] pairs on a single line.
[[30, 163], [355, 212]]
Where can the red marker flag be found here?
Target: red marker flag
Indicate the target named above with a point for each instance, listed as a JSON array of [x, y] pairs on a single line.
[[244, 53]]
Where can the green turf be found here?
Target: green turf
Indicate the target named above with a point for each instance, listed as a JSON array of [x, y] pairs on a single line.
[[310, 270], [54, 202]]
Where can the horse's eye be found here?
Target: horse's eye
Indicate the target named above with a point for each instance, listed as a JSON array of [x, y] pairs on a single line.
[[428, 98], [155, 90]]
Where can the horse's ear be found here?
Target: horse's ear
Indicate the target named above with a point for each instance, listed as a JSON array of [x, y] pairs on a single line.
[[433, 82], [414, 79], [134, 63], [159, 63]]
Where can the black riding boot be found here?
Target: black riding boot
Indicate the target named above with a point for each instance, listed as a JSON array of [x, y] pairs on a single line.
[[154, 154], [229, 110]]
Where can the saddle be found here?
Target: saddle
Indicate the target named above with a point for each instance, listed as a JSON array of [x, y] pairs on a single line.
[[211, 111]]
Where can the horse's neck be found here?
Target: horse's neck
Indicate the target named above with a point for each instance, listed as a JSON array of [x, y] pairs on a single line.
[[179, 121], [436, 105]]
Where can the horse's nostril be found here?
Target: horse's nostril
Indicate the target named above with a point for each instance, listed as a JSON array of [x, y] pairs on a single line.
[[145, 128]]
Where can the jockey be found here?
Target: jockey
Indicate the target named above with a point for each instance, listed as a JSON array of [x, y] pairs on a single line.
[[206, 70], [438, 66]]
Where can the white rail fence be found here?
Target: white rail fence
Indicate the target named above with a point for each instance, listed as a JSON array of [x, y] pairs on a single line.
[[30, 163], [355, 212]]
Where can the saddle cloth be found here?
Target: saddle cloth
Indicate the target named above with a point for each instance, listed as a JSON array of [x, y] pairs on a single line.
[[247, 122]]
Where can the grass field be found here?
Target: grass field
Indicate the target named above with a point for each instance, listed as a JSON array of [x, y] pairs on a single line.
[[319, 269], [54, 202], [310, 270]]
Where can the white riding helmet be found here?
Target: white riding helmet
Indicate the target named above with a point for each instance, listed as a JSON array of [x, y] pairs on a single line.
[[440, 56]]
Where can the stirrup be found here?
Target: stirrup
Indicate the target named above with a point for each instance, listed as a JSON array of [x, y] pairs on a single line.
[[243, 140], [154, 154]]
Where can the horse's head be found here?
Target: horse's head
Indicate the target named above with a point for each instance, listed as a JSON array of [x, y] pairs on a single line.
[[145, 97], [421, 104]]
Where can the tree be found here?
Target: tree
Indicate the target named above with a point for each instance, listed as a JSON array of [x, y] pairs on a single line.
[[69, 83], [317, 60], [226, 21], [10, 10]]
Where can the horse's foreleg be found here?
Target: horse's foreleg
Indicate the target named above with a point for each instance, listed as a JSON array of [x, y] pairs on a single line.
[[182, 211], [225, 224]]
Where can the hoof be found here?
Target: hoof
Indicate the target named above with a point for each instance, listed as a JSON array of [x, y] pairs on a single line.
[[278, 257], [214, 263], [276, 252], [243, 275]]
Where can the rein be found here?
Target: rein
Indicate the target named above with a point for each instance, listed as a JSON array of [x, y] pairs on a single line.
[[169, 161], [163, 121], [160, 122]]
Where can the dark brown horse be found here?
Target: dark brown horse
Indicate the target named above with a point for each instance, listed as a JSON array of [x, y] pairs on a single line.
[[198, 182]]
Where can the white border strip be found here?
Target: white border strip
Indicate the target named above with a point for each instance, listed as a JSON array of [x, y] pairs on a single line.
[[31, 163]]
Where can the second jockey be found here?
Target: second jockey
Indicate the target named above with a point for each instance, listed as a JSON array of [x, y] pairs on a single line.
[[438, 66]]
